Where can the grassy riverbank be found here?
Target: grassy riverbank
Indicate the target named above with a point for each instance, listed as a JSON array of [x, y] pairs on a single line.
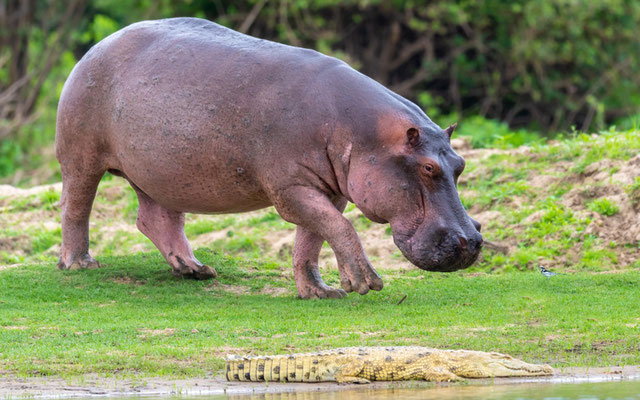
[[571, 205], [133, 317]]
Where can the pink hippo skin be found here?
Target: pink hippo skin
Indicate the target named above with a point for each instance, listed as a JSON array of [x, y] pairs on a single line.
[[201, 119]]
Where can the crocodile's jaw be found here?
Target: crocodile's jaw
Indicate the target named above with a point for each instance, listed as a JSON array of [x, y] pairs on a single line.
[[489, 365]]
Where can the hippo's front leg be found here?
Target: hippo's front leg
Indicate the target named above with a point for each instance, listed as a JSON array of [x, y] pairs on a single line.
[[314, 211]]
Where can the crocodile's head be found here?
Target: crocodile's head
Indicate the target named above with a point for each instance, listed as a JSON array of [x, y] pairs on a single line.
[[475, 364]]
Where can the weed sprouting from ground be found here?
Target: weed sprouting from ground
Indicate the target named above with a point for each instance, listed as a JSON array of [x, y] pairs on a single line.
[[604, 207], [633, 190]]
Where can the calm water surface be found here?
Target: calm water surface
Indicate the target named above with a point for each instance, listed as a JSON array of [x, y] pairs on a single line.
[[620, 390], [629, 390]]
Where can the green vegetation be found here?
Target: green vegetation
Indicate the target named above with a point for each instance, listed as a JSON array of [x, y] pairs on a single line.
[[201, 226], [511, 73], [133, 317], [543, 203], [567, 205], [604, 206], [633, 190]]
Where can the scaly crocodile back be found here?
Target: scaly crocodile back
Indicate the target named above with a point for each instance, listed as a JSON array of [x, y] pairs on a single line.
[[305, 367]]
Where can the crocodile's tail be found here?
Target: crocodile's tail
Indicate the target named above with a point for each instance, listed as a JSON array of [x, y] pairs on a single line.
[[283, 368]]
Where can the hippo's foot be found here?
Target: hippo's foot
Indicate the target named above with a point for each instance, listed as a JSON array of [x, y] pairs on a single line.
[[165, 228], [321, 291], [82, 262], [311, 286], [189, 267], [359, 276]]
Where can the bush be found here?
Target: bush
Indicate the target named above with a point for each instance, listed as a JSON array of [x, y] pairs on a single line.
[[550, 64], [484, 132]]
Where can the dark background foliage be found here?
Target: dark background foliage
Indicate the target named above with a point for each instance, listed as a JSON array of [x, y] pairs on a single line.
[[548, 64], [545, 65]]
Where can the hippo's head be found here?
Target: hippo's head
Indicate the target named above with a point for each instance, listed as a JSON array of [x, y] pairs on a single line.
[[409, 179]]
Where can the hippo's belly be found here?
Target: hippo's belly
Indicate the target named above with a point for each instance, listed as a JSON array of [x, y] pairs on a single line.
[[183, 163], [186, 189]]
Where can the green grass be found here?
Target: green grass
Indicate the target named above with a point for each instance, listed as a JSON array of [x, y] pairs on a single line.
[[201, 226], [132, 317], [536, 220], [604, 207], [46, 200], [633, 190]]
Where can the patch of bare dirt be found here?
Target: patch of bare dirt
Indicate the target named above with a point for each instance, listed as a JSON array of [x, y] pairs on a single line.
[[274, 291], [17, 246], [12, 191], [14, 327], [127, 280], [146, 333], [603, 179]]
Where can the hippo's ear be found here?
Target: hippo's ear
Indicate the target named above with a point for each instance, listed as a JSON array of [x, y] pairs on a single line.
[[450, 129], [413, 137]]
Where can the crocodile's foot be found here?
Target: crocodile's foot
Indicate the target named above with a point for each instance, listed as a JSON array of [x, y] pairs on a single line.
[[190, 268], [438, 375], [82, 262], [311, 286], [352, 379]]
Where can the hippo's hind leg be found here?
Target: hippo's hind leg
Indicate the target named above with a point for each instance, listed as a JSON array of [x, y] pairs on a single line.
[[78, 191], [165, 228]]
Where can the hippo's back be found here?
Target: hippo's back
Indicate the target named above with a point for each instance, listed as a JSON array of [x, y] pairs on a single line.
[[185, 99]]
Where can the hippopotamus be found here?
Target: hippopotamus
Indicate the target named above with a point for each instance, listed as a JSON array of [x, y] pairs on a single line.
[[202, 119]]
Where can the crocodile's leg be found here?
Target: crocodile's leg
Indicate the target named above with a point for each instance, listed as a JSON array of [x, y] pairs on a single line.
[[348, 370], [306, 273], [440, 374]]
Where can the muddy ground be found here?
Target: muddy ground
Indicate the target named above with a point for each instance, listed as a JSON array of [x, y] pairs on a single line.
[[91, 385], [113, 229]]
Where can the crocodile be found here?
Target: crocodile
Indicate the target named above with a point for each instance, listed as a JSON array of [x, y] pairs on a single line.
[[366, 364]]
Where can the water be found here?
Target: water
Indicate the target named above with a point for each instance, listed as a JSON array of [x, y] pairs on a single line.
[[616, 390], [629, 390]]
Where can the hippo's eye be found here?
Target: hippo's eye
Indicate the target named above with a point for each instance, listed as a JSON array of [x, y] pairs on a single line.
[[429, 169]]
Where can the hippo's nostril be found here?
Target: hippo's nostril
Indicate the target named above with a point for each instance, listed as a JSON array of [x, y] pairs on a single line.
[[463, 242], [477, 242], [476, 224]]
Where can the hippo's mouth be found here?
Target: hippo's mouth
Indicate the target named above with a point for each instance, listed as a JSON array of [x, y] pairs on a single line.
[[446, 256]]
